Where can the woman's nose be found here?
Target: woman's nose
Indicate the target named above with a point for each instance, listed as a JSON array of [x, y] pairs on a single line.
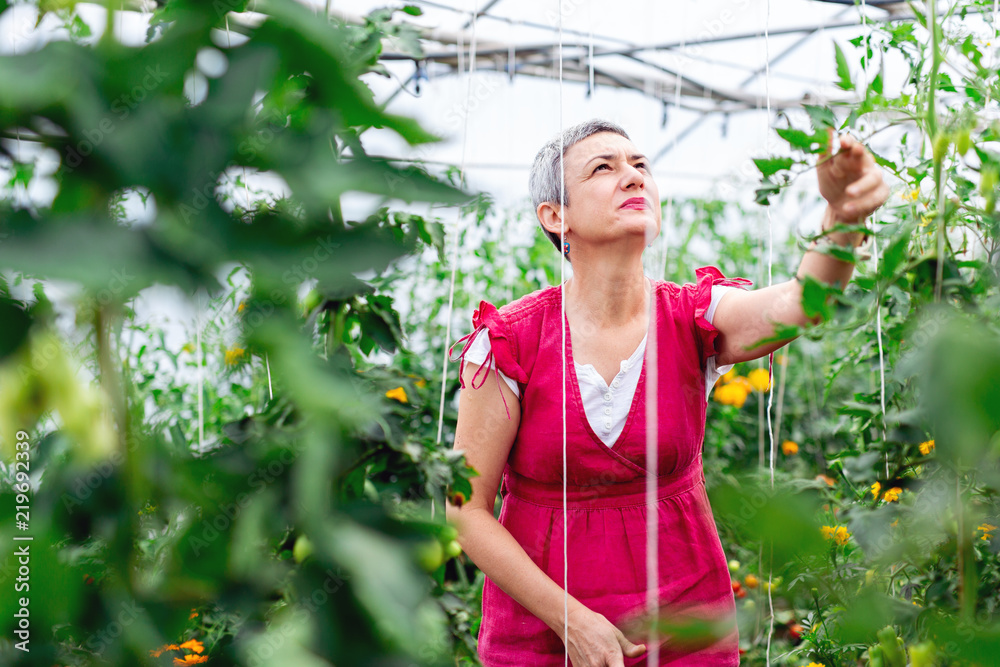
[[633, 177]]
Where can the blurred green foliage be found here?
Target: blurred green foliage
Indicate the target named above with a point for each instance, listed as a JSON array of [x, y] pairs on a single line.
[[222, 512]]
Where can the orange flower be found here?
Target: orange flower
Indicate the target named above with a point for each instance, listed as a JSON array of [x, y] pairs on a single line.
[[825, 478], [892, 495], [876, 488], [926, 447], [193, 645], [789, 447], [156, 653], [191, 660]]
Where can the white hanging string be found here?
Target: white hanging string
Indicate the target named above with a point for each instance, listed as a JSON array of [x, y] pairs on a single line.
[[458, 215], [878, 297], [770, 357], [563, 325]]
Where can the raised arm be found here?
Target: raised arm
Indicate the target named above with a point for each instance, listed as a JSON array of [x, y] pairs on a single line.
[[852, 185], [486, 435]]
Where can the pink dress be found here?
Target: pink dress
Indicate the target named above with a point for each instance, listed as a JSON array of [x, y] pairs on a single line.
[[606, 486]]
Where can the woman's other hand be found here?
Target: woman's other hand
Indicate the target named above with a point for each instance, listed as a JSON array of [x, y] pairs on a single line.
[[595, 642], [850, 180]]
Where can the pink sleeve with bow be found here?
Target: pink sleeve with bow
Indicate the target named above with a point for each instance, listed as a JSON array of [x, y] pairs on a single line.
[[502, 349]]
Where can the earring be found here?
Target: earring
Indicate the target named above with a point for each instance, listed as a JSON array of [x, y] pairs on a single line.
[[566, 248]]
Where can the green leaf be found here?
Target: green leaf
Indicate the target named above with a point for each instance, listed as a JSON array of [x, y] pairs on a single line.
[[767, 189], [814, 298], [804, 141], [820, 117], [844, 81], [770, 166]]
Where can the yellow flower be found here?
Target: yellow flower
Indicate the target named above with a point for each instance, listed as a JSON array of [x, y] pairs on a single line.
[[789, 447], [894, 523], [876, 488], [913, 195], [838, 534], [734, 394], [188, 347], [892, 495], [926, 447], [234, 355], [398, 393], [987, 531], [239, 308], [760, 379], [814, 664], [727, 377]]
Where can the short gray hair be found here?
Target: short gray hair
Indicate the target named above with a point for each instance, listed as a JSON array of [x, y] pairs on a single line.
[[544, 182]]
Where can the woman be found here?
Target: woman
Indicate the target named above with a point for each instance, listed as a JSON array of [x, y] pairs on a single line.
[[511, 430]]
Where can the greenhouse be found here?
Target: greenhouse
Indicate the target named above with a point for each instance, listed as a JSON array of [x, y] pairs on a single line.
[[500, 332]]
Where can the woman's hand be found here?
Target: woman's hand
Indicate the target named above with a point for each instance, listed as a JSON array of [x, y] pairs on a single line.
[[850, 180], [595, 642]]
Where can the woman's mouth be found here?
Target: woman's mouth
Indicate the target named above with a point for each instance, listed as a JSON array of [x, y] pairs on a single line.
[[636, 203]]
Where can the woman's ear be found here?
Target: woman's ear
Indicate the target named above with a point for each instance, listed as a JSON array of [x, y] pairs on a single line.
[[550, 216]]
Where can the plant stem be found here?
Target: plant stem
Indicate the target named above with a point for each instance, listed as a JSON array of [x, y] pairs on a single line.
[[935, 66], [932, 133]]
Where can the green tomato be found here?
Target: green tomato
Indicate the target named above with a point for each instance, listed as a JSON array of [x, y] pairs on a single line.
[[453, 549], [892, 653], [941, 142], [923, 654], [449, 533], [734, 565], [430, 555], [303, 549], [963, 142]]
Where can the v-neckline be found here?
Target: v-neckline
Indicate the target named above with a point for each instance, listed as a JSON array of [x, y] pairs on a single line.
[[578, 397]]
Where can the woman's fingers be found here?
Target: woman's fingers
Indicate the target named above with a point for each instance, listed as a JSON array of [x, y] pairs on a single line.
[[628, 648], [869, 180]]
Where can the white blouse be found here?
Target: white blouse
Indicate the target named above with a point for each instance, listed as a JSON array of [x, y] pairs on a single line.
[[607, 407]]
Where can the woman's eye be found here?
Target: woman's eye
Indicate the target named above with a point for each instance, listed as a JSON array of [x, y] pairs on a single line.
[[601, 165], [641, 165]]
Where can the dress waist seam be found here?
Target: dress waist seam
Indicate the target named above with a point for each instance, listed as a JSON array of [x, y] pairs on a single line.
[[590, 498]]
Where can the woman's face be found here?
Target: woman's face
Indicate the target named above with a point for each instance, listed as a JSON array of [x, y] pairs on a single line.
[[611, 191]]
